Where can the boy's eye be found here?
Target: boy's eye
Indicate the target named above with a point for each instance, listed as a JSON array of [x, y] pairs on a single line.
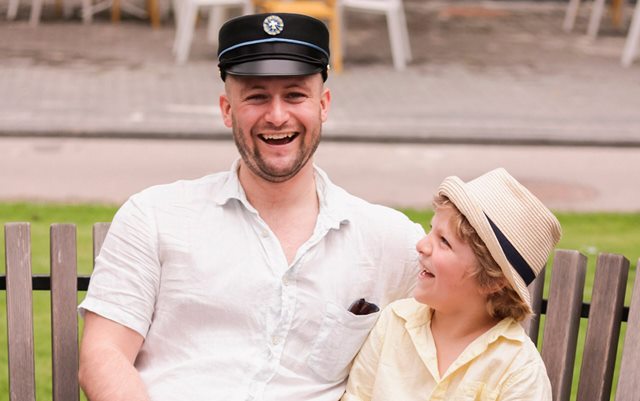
[[445, 242]]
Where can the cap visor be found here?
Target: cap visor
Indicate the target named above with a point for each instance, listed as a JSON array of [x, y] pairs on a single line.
[[273, 68]]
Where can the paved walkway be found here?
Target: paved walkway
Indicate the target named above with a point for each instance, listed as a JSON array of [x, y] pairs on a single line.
[[484, 73], [109, 170]]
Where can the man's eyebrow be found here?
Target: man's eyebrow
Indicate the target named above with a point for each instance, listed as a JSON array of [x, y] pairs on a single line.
[[255, 86], [295, 85]]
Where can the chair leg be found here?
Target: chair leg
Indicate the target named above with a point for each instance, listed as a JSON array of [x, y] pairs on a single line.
[[404, 29], [154, 13], [185, 31], [217, 16], [87, 12], [248, 7], [594, 20], [115, 11], [336, 44], [12, 11], [36, 11], [67, 9], [177, 19], [396, 40], [343, 29], [633, 37], [570, 15]]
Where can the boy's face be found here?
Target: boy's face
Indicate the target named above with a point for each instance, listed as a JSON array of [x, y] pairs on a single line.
[[445, 282]]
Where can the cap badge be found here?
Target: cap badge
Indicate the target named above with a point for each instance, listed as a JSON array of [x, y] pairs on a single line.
[[273, 25]]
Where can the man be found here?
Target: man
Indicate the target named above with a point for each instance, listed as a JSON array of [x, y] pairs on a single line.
[[237, 286]]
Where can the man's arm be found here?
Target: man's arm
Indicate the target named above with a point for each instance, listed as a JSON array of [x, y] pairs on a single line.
[[107, 353]]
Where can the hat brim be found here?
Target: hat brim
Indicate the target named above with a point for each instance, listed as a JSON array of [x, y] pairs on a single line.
[[454, 189], [271, 67]]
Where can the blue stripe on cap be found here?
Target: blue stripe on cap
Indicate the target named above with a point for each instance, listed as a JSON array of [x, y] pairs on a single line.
[[255, 42], [513, 256]]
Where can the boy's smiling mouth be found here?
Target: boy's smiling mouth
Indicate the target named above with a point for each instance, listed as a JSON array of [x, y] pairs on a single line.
[[426, 273]]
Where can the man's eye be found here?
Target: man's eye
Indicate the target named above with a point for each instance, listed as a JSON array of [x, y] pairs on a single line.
[[256, 97], [296, 95]]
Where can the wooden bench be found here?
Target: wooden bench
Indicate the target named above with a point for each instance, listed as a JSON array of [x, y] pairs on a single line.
[[562, 313]]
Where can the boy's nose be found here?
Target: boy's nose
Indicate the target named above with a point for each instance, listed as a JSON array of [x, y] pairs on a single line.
[[424, 245]]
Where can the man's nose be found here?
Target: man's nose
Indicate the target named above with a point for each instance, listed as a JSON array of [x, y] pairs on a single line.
[[277, 114]]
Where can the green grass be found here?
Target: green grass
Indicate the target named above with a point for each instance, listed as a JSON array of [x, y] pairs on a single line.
[[588, 233]]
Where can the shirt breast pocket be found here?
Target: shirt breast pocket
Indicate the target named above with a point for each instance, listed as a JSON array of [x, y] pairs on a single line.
[[338, 341]]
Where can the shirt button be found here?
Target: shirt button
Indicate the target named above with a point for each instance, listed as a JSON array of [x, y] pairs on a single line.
[[264, 233], [285, 281], [275, 340]]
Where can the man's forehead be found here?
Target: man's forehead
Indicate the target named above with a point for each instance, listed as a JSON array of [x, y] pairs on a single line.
[[275, 81]]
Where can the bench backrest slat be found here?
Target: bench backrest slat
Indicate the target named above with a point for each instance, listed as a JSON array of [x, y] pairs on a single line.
[[563, 320], [629, 379], [603, 328], [532, 325], [19, 312], [99, 233], [64, 320]]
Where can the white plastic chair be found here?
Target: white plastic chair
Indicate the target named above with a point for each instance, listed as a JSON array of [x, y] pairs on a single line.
[[89, 7], [36, 10], [186, 11], [396, 24], [633, 38], [597, 11]]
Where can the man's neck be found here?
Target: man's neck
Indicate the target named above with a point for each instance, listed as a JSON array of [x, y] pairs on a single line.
[[268, 196]]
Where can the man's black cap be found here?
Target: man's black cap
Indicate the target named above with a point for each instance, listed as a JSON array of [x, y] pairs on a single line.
[[272, 45]]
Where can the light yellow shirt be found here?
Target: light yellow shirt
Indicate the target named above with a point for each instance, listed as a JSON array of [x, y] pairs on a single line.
[[398, 362]]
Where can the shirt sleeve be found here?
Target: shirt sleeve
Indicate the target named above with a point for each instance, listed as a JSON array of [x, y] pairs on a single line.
[[125, 281], [363, 372], [528, 383]]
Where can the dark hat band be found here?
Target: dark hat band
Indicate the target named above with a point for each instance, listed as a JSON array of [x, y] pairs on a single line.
[[273, 50], [272, 40], [513, 256]]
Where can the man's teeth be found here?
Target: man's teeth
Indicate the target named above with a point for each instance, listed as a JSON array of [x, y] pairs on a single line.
[[278, 136]]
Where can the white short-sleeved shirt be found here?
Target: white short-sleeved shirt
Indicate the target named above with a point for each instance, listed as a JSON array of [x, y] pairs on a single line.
[[193, 268]]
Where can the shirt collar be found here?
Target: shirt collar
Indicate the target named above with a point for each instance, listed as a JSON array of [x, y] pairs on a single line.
[[333, 199], [416, 314], [231, 188]]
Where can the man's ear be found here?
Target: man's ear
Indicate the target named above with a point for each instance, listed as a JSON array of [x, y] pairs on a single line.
[[325, 102], [225, 110]]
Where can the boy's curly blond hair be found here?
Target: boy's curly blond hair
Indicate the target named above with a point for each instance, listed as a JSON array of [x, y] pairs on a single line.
[[502, 299]]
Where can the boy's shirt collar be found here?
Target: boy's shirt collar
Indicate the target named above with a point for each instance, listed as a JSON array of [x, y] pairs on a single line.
[[417, 319]]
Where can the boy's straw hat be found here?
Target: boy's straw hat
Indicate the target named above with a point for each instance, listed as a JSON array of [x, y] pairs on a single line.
[[519, 231]]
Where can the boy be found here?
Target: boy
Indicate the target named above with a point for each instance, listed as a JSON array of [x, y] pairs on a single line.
[[460, 337]]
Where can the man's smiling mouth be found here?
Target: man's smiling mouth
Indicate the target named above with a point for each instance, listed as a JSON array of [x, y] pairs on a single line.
[[278, 138]]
